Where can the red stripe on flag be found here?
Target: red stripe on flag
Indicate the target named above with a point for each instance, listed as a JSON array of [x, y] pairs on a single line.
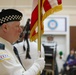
[[34, 16], [59, 2], [46, 5]]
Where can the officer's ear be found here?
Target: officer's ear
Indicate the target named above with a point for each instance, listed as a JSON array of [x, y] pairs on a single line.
[[4, 27]]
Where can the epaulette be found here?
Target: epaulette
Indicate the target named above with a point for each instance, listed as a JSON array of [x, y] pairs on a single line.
[[2, 46]]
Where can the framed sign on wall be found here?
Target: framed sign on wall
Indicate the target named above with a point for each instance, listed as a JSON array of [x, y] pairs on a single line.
[[55, 24]]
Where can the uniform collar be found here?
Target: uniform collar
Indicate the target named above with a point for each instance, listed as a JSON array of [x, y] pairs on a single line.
[[6, 43]]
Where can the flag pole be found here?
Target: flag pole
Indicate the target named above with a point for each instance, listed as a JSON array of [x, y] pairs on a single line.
[[39, 27], [39, 31]]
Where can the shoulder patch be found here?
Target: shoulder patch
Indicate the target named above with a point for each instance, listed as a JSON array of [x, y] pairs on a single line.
[[2, 46], [4, 56]]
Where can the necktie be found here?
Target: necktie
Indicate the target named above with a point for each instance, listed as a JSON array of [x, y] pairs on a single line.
[[17, 54]]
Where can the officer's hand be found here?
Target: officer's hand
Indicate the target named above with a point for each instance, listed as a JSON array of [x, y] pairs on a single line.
[[37, 67], [40, 63]]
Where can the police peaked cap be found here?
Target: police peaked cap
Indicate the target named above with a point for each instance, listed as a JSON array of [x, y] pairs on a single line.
[[8, 15]]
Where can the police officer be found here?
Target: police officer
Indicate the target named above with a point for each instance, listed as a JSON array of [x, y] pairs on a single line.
[[10, 31]]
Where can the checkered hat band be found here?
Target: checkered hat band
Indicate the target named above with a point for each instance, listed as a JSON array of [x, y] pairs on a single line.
[[10, 18]]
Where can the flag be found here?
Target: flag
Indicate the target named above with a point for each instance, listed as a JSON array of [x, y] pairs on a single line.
[[47, 7], [34, 22]]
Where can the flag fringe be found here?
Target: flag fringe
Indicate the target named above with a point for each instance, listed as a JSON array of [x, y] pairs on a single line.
[[34, 37], [51, 11]]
